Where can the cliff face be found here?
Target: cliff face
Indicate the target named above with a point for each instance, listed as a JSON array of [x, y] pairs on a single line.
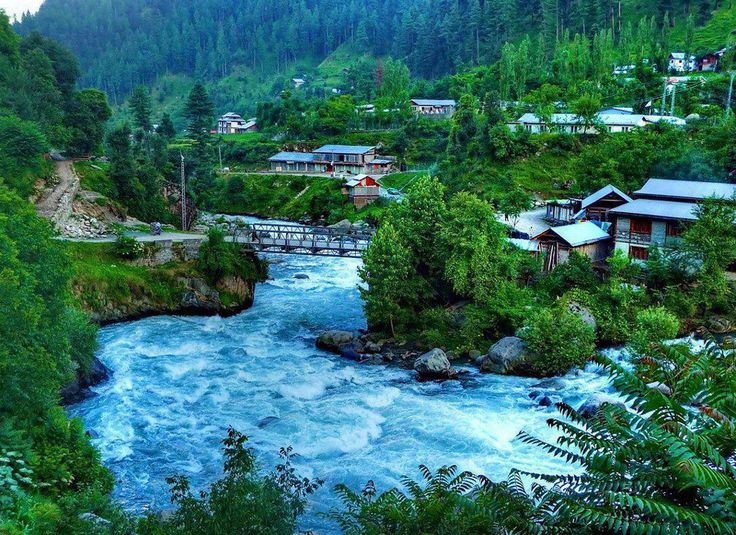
[[164, 281]]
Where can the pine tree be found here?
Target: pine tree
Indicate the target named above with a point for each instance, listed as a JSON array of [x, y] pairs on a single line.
[[166, 128], [199, 110], [140, 106]]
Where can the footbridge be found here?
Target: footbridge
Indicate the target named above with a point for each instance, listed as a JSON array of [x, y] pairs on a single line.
[[302, 240]]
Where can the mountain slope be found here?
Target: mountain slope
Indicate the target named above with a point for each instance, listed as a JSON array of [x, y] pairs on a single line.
[[123, 43]]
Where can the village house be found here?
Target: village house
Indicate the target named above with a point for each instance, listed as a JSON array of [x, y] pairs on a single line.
[[679, 63], [573, 124], [298, 82], [658, 212], [586, 238], [232, 123], [362, 190], [433, 107], [348, 159]]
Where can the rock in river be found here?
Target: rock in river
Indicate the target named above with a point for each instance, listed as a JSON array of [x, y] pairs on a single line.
[[434, 365], [334, 341], [79, 389], [595, 402], [507, 356]]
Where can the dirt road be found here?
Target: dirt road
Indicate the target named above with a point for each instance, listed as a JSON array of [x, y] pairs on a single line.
[[56, 202]]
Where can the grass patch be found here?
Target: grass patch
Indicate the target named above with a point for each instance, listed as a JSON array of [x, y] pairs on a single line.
[[94, 176], [102, 280]]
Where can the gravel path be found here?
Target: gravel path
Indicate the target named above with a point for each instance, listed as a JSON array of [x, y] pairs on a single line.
[[56, 202]]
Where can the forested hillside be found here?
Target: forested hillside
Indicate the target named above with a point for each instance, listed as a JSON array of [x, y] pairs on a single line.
[[125, 43]]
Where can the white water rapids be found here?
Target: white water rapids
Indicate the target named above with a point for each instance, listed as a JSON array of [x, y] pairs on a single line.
[[178, 384]]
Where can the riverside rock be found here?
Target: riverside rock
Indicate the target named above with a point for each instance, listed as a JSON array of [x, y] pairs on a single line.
[[79, 389], [507, 357], [434, 365], [335, 341], [594, 403]]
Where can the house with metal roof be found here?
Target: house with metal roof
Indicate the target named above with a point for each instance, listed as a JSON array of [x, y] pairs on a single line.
[[678, 62], [433, 107], [685, 190], [594, 207], [587, 238], [350, 159], [362, 190], [571, 123], [660, 210]]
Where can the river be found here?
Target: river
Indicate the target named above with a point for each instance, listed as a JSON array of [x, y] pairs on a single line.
[[180, 382]]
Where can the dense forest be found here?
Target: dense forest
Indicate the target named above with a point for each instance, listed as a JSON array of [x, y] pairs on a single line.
[[125, 43]]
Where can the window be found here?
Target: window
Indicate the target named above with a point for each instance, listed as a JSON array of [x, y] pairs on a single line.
[[674, 229], [639, 253], [641, 226]]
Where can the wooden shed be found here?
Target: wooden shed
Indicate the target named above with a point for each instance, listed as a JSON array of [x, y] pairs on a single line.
[[586, 238]]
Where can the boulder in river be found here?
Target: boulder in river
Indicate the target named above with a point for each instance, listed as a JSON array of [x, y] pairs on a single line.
[[594, 403], [434, 365], [79, 389], [335, 341], [508, 356], [301, 276]]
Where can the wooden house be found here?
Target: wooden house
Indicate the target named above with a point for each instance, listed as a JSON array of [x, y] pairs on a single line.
[[660, 210], [362, 190], [596, 207], [557, 243]]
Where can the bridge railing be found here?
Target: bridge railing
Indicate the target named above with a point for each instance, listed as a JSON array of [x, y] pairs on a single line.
[[297, 239]]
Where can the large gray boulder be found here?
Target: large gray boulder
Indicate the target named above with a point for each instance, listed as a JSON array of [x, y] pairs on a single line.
[[80, 388], [335, 341], [594, 403], [584, 314], [434, 365], [508, 356]]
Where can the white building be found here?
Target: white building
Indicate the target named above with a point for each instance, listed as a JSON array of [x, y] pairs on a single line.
[[573, 124], [232, 123], [678, 62]]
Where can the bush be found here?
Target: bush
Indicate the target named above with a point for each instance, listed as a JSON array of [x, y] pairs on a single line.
[[559, 340], [128, 248], [219, 259], [653, 326]]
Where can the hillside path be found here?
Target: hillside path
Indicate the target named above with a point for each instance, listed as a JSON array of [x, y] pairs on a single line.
[[56, 202]]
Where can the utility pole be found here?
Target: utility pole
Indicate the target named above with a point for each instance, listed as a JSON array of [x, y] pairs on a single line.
[[730, 95], [219, 151], [183, 195], [674, 93], [664, 97]]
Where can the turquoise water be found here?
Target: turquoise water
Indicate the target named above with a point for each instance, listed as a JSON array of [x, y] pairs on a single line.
[[180, 382]]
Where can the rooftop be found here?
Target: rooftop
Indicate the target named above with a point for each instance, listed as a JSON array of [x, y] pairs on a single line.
[[609, 119], [344, 149], [293, 157], [686, 189], [432, 102], [579, 233], [656, 209], [603, 192]]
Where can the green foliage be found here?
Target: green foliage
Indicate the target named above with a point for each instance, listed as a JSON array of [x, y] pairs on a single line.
[[128, 247], [219, 259], [386, 270], [653, 326], [242, 502], [140, 106], [21, 148], [560, 341]]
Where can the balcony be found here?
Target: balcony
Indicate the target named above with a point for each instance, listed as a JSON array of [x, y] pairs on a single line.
[[634, 238]]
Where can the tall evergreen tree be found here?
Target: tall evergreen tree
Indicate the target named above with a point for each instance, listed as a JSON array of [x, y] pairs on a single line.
[[140, 106]]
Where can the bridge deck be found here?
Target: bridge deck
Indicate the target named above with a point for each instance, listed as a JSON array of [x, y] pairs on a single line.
[[295, 239]]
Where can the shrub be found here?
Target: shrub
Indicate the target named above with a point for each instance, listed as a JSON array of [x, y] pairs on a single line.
[[653, 325], [128, 248], [559, 341], [219, 259]]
